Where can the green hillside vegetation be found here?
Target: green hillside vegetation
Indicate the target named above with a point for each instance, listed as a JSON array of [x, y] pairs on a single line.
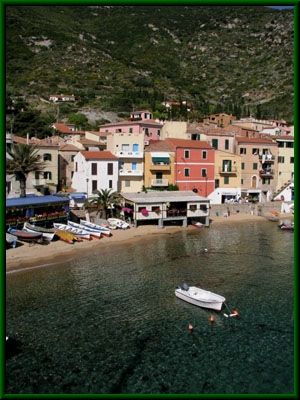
[[116, 58]]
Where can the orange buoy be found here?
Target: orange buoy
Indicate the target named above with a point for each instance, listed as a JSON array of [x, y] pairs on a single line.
[[235, 312], [191, 327], [211, 318]]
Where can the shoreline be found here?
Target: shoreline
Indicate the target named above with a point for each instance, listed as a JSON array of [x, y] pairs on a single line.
[[27, 256]]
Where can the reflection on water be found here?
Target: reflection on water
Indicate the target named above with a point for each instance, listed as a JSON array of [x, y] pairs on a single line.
[[110, 322]]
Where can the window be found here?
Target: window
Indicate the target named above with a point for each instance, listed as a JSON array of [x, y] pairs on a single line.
[[243, 150], [94, 169], [127, 183], [226, 144], [47, 175], [186, 154], [292, 160], [280, 144], [47, 157], [193, 207], [266, 181], [110, 168], [204, 154], [130, 130], [203, 172], [72, 158], [290, 145], [76, 166], [255, 165], [158, 132], [215, 143], [255, 152], [125, 147], [186, 172], [110, 185], [226, 180], [37, 175], [281, 159], [243, 165], [242, 181], [94, 185], [147, 131], [217, 183]]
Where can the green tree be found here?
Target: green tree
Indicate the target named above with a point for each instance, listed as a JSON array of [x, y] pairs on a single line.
[[104, 201], [21, 160], [80, 121]]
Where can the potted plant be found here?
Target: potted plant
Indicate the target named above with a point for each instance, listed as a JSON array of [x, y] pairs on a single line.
[[144, 211]]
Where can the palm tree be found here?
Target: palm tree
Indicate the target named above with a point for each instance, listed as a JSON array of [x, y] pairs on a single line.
[[104, 201], [20, 161]]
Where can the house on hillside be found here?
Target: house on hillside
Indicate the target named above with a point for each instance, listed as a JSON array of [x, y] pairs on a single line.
[[148, 129], [61, 97]]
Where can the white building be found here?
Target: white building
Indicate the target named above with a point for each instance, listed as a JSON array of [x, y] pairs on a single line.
[[95, 170]]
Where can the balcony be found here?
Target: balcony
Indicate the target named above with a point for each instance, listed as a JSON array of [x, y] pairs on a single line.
[[130, 172], [228, 171], [159, 182], [160, 166], [129, 154], [266, 173], [39, 182], [266, 158]]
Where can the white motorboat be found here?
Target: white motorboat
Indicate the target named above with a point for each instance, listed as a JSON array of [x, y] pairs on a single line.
[[76, 231], [93, 232], [200, 297], [103, 229], [47, 234], [116, 223]]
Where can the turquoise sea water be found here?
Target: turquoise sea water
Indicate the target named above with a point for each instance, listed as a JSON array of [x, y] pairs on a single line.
[[109, 323]]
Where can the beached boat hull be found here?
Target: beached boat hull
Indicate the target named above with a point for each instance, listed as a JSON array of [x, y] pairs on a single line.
[[103, 229], [11, 240], [67, 237], [93, 232], [47, 234], [77, 232], [25, 236], [116, 223], [200, 297], [286, 227]]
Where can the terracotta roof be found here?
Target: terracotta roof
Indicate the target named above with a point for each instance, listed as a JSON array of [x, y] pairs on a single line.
[[159, 145], [98, 155], [242, 139], [62, 128], [68, 147], [195, 144]]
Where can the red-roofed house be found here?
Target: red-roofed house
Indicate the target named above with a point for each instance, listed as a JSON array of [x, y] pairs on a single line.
[[95, 170]]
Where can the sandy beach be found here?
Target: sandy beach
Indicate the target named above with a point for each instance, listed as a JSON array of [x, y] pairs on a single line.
[[26, 255]]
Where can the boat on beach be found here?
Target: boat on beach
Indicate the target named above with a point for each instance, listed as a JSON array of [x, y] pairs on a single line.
[[76, 231], [96, 233], [67, 237], [103, 229], [25, 236], [11, 240], [197, 224], [116, 223], [286, 226], [200, 297], [47, 234]]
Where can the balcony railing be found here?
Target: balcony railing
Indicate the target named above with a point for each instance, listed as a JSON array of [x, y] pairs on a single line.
[[159, 182], [268, 158], [39, 182], [267, 173], [129, 154], [227, 170], [130, 172], [160, 166]]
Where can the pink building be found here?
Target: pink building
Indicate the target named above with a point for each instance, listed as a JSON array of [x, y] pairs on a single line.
[[150, 129]]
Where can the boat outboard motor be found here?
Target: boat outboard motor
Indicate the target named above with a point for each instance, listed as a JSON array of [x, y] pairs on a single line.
[[185, 286]]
